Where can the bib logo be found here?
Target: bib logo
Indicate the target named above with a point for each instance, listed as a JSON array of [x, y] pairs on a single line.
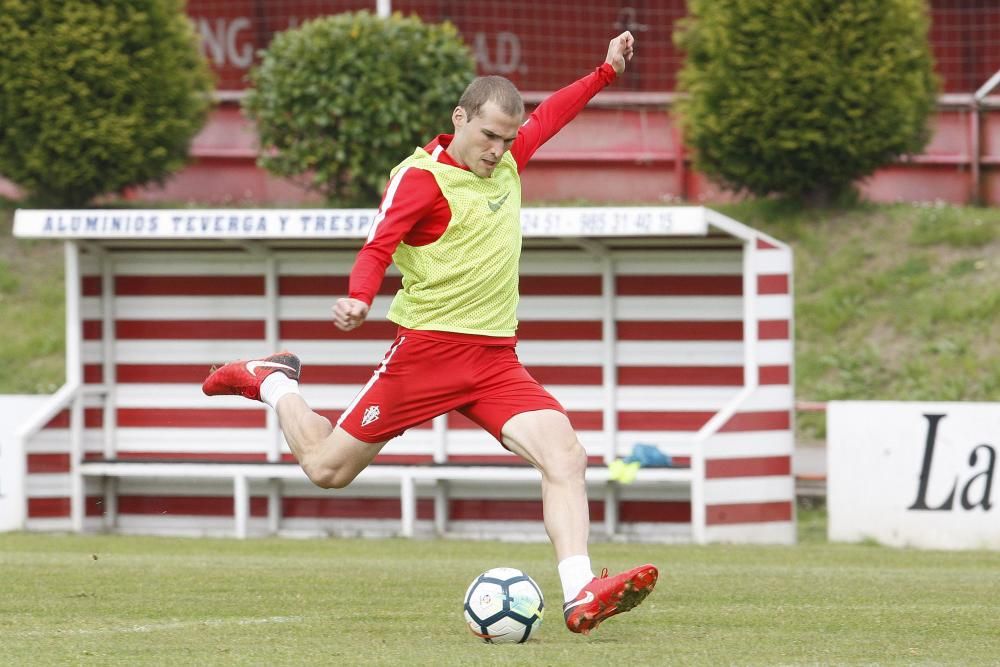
[[982, 476], [495, 205], [371, 414]]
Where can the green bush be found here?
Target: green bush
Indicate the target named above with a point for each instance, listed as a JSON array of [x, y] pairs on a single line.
[[97, 96], [803, 98], [342, 99]]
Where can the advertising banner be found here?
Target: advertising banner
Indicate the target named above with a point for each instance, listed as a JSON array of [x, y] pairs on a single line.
[[135, 224], [914, 474]]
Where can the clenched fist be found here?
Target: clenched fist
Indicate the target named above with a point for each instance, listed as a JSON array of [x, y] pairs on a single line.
[[349, 314], [620, 51]]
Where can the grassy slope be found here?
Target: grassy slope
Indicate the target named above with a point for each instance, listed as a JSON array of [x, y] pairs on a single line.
[[31, 312], [892, 302]]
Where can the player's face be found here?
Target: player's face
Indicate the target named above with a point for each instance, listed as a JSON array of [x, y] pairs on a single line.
[[481, 140]]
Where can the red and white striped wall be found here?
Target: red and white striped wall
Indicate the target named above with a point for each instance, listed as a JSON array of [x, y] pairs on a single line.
[[681, 340]]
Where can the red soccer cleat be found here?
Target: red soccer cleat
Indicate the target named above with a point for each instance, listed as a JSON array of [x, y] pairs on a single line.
[[604, 597], [243, 378]]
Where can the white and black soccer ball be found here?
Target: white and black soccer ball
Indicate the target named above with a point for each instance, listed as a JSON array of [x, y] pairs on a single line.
[[504, 606]]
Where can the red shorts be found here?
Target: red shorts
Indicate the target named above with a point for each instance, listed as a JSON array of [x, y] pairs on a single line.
[[422, 377]]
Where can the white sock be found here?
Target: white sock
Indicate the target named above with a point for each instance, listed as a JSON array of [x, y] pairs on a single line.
[[275, 386], [575, 573]]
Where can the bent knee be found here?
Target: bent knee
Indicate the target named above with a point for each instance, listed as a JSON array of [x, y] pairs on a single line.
[[566, 460], [328, 476]]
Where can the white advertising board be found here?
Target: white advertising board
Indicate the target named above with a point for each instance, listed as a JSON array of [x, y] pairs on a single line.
[[913, 474], [136, 224], [14, 411]]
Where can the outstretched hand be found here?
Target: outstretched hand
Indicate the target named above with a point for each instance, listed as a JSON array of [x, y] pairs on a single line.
[[349, 314], [620, 51]]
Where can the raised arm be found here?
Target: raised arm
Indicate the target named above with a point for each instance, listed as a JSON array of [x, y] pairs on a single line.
[[562, 106]]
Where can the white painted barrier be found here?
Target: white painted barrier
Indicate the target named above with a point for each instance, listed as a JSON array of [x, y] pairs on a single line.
[[914, 474], [14, 409]]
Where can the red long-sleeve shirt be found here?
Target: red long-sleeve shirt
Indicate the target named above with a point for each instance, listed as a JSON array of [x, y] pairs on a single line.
[[415, 211]]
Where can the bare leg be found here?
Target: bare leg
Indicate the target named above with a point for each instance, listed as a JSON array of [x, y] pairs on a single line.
[[547, 441], [330, 456]]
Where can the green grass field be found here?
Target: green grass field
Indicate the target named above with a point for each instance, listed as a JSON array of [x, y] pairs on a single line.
[[151, 601]]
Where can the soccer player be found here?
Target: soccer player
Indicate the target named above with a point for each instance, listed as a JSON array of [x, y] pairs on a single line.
[[450, 219]]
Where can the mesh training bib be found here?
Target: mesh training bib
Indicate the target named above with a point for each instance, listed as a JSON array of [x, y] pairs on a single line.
[[466, 281]]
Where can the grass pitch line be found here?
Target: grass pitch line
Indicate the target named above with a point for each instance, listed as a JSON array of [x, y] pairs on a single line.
[[160, 627]]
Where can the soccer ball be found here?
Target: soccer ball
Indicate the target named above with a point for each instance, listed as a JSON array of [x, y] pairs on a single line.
[[503, 606]]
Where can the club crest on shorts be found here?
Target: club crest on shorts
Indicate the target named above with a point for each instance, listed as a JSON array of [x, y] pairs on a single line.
[[371, 414]]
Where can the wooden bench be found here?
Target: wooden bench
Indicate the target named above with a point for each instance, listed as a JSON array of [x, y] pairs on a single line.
[[406, 476]]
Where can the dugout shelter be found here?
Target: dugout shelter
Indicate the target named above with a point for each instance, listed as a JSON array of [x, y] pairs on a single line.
[[669, 326]]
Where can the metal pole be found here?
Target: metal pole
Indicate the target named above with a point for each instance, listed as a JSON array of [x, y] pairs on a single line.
[[609, 340], [241, 505], [271, 335], [975, 150], [74, 377], [751, 318], [109, 367], [74, 372], [440, 434], [408, 502], [987, 87], [975, 140]]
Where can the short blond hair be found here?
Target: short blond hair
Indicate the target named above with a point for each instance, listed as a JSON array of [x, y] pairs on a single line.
[[495, 89]]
